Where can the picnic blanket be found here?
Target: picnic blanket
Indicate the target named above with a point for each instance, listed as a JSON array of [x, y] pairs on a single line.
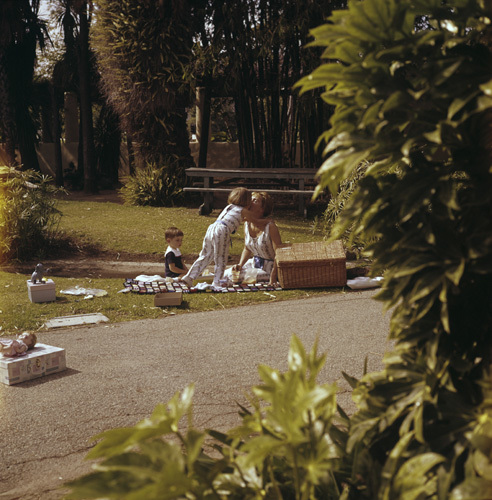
[[150, 287]]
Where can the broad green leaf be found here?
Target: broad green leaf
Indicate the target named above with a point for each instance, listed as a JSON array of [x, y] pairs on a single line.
[[359, 432], [382, 14], [483, 103], [371, 115], [395, 100], [435, 136], [193, 441], [347, 52], [98, 485], [447, 72], [297, 355], [392, 464], [425, 285], [483, 465], [112, 442], [414, 264], [486, 88], [448, 195], [364, 31], [352, 381], [455, 272], [459, 103], [444, 310], [412, 475], [260, 447], [270, 376], [473, 488], [339, 166]]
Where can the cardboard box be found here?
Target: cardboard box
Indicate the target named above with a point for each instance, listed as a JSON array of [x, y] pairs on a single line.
[[168, 299], [311, 265], [39, 361], [41, 291]]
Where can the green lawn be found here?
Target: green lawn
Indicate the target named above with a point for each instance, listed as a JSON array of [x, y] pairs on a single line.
[[119, 228], [18, 314], [141, 229]]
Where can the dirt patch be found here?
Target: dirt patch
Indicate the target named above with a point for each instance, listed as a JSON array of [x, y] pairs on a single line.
[[96, 267], [103, 196]]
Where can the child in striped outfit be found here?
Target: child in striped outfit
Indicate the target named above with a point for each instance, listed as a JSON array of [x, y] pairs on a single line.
[[217, 239]]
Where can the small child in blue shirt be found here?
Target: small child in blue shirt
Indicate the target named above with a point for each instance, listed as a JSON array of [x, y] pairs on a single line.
[[174, 263]]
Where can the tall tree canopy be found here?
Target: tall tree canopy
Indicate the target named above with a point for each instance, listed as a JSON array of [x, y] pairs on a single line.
[[152, 54], [20, 32], [144, 49], [255, 51]]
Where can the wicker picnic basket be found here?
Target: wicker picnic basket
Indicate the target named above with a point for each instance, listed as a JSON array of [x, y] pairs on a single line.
[[311, 265]]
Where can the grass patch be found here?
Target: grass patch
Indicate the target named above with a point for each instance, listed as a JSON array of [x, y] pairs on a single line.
[[18, 314], [116, 228]]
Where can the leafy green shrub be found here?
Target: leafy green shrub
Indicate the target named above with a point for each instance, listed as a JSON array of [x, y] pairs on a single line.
[[155, 186], [290, 446], [334, 209], [28, 214], [411, 85]]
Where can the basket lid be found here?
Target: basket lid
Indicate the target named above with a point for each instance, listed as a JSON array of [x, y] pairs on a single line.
[[317, 251]]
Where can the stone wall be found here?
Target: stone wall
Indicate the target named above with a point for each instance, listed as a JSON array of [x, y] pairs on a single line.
[[220, 155]]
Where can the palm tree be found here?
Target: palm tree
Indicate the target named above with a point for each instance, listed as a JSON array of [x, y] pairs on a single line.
[[75, 21], [83, 52], [20, 32]]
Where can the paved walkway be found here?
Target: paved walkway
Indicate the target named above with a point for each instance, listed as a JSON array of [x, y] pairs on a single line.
[[117, 374]]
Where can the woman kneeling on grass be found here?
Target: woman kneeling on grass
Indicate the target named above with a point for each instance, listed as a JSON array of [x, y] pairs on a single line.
[[260, 244]]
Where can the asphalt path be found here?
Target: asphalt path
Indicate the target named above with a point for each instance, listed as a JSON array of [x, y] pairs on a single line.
[[117, 373]]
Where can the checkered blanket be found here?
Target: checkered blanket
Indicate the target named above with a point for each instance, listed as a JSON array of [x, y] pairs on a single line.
[[150, 287]]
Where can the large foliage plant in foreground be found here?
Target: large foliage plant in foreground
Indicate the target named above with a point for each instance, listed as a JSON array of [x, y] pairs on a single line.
[[411, 83]]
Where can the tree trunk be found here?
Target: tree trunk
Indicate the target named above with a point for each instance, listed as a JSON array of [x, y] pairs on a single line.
[[90, 184], [6, 115], [204, 126], [56, 136], [27, 148], [45, 96], [10, 149], [131, 155]]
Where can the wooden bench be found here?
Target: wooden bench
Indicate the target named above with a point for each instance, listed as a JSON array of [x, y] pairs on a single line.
[[290, 181]]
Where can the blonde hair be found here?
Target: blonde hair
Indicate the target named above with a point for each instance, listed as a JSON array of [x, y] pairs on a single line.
[[239, 196], [266, 201]]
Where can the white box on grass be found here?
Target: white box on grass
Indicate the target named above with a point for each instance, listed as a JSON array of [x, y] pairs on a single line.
[[168, 299], [39, 361], [43, 291]]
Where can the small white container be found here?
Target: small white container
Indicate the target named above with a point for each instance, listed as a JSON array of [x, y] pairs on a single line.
[[168, 299], [39, 361], [42, 291]]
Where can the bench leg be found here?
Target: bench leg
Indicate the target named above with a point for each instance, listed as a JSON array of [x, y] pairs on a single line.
[[202, 210], [208, 200], [302, 208]]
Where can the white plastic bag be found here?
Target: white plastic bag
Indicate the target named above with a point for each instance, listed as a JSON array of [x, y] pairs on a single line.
[[251, 275], [77, 290], [362, 282]]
